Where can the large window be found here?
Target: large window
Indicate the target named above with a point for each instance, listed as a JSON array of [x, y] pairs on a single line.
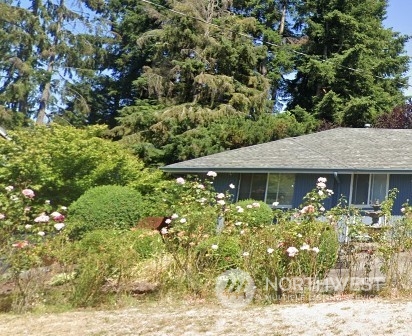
[[280, 189], [369, 188], [268, 187], [252, 186]]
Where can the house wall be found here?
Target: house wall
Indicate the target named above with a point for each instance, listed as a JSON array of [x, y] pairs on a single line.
[[341, 186], [222, 181], [404, 185]]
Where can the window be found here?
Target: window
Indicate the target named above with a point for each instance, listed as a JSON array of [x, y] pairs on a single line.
[[268, 187], [252, 186], [369, 188], [280, 189]]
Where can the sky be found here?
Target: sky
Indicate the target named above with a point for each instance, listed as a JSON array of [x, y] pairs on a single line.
[[399, 19]]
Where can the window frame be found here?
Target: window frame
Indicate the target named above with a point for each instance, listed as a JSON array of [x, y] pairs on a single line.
[[267, 176], [370, 189]]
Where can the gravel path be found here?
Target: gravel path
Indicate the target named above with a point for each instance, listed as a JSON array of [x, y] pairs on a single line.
[[346, 317]]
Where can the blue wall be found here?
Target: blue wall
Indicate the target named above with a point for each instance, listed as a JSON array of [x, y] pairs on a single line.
[[404, 185], [222, 181]]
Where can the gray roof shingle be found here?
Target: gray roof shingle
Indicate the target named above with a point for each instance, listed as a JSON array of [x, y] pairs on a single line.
[[339, 149]]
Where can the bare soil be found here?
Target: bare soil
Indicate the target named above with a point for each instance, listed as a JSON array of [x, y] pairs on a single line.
[[340, 317]]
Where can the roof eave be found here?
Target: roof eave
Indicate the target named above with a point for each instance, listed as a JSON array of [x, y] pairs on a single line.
[[285, 170]]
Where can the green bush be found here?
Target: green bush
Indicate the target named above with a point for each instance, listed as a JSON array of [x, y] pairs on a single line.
[[105, 207], [228, 253], [64, 162], [255, 213], [110, 254]]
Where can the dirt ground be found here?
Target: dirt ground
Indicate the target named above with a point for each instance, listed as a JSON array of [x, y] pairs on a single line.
[[344, 317]]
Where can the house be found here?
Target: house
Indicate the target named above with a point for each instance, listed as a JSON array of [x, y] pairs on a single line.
[[362, 164]]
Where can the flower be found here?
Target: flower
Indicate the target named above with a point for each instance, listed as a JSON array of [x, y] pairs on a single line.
[[322, 209], [215, 247], [232, 186], [64, 208], [28, 226], [305, 247], [321, 185], [270, 250], [2, 216], [211, 173], [245, 254], [43, 218], [240, 210], [28, 193], [275, 203], [403, 210], [168, 221], [220, 195], [249, 206], [315, 249], [242, 232], [308, 209], [47, 202], [292, 251], [163, 231], [57, 216], [238, 223], [299, 235], [221, 202], [320, 193], [41, 233], [9, 188], [322, 179], [180, 180], [200, 186], [183, 220], [59, 226], [256, 205], [330, 192], [174, 216], [202, 200], [20, 244]]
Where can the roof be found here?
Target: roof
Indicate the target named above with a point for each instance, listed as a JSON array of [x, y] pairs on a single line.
[[335, 150]]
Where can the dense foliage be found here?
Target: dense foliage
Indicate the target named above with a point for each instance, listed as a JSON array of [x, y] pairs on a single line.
[[106, 207], [352, 68], [181, 79], [61, 163]]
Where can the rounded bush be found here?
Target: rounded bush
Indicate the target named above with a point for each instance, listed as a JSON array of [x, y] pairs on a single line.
[[105, 207], [255, 213]]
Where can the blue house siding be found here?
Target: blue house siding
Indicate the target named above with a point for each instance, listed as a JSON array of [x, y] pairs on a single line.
[[341, 188], [304, 183], [404, 184], [307, 182], [222, 181]]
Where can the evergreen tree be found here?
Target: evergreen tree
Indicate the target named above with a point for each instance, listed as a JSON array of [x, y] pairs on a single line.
[[351, 69], [205, 67], [46, 44]]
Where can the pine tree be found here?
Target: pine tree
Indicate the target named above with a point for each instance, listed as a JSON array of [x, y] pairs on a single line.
[[351, 69], [48, 46]]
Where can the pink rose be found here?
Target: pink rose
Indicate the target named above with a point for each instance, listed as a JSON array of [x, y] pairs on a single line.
[[28, 193]]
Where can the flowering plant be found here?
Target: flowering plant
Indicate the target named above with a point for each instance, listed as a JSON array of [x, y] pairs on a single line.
[[24, 225]]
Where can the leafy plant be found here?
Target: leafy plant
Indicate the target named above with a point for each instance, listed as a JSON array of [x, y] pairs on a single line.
[[106, 207]]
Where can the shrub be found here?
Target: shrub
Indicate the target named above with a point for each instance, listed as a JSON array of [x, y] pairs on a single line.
[[64, 162], [219, 253], [104, 207], [254, 213], [108, 255]]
